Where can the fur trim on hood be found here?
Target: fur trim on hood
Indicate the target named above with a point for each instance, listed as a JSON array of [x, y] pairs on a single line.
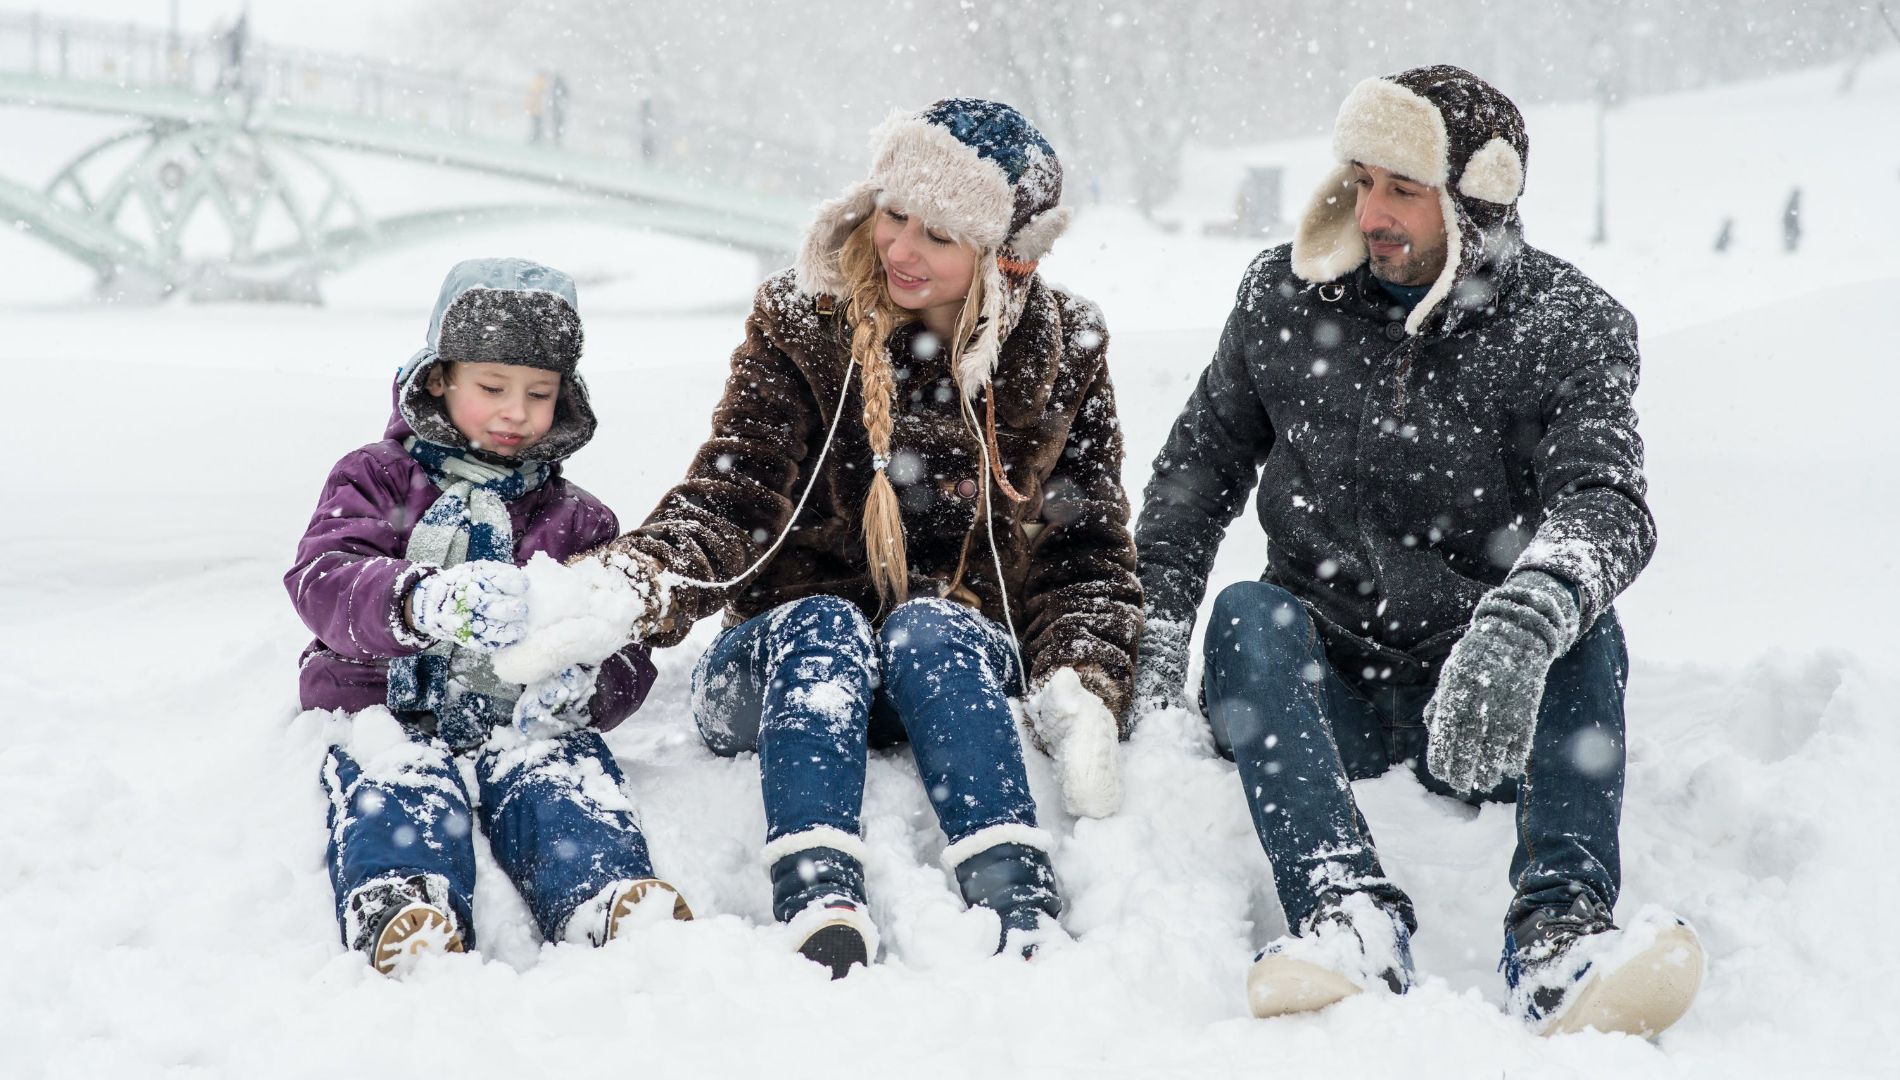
[[1444, 127], [974, 169], [502, 311]]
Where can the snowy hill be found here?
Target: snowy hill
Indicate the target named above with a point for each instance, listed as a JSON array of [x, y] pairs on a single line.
[[161, 876]]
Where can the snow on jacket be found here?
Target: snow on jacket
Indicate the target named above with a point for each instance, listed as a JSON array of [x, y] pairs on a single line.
[[1402, 475], [1067, 559], [350, 576]]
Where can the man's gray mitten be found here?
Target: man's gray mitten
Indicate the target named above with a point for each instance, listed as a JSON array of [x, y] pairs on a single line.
[[1484, 713], [1161, 667]]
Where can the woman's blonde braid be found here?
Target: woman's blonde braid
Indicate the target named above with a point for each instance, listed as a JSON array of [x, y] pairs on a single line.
[[873, 319]]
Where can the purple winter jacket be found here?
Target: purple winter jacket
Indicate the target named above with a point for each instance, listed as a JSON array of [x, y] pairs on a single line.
[[351, 577]]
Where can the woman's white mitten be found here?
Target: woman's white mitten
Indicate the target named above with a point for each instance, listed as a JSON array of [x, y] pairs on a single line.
[[1083, 740]]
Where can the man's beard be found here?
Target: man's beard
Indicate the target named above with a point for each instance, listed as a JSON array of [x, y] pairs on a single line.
[[1414, 266]]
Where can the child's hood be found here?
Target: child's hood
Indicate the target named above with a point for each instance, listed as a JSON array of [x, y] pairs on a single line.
[[506, 311]]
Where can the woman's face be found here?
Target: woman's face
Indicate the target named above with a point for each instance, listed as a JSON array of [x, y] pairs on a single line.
[[924, 270]]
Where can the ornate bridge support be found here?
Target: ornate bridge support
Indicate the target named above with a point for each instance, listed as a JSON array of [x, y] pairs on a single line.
[[200, 203]]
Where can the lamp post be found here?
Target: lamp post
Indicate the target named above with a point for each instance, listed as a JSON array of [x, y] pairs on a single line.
[[1603, 68]]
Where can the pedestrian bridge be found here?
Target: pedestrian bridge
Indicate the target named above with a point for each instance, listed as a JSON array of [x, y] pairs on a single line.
[[219, 185]]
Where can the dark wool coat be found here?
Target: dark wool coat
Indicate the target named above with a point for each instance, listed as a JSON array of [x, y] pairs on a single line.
[[1402, 476], [1067, 559]]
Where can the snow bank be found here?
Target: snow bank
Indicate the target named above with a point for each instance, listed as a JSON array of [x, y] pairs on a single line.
[[161, 865]]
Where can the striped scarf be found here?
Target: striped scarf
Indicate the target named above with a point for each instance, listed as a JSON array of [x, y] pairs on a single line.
[[468, 522]]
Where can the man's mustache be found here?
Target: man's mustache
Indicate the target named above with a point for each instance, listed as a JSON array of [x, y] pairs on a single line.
[[1387, 236]]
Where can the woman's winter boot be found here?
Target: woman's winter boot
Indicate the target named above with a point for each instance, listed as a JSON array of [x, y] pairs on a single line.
[[1006, 869], [818, 893]]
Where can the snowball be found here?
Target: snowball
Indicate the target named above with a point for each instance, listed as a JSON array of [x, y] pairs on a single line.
[[579, 614]]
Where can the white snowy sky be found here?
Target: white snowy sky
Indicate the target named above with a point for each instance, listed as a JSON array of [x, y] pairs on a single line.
[[332, 25]]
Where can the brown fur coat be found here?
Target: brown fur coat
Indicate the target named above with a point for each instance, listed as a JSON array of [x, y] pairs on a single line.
[[1067, 556]]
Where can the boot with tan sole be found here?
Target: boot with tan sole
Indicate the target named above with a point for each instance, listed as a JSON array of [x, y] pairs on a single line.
[[622, 905], [397, 921], [1573, 969]]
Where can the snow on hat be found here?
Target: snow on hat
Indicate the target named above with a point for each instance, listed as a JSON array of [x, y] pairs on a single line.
[[503, 311], [977, 170], [1441, 126]]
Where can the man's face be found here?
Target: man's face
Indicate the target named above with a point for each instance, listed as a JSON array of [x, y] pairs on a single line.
[[1403, 224]]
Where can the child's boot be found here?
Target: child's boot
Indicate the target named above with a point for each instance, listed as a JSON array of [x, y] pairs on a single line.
[[818, 893], [1006, 869], [395, 921], [611, 911]]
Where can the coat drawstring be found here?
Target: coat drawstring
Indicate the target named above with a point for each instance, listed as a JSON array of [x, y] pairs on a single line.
[[993, 454], [810, 482], [992, 466]]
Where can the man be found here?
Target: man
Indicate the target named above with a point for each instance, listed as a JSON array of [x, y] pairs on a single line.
[[1439, 419]]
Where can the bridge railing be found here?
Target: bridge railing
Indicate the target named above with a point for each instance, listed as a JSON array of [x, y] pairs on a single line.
[[544, 111]]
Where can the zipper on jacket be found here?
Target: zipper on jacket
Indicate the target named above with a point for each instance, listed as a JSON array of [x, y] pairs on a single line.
[[1399, 373]]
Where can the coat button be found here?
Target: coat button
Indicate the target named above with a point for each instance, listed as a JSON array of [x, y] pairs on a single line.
[[966, 488], [1394, 331]]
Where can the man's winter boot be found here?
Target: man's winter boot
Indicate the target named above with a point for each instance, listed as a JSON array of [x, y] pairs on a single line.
[[1005, 868], [1573, 969], [818, 893], [1350, 944], [611, 911], [394, 921]]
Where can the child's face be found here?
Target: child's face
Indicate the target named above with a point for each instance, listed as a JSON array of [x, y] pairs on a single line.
[[500, 408]]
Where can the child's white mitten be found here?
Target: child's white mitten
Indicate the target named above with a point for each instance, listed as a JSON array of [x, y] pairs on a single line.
[[557, 704], [478, 605]]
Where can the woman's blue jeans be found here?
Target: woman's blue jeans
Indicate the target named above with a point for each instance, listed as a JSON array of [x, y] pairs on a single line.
[[811, 686], [1299, 731]]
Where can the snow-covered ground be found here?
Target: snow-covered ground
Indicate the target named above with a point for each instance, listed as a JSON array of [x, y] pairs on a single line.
[[163, 905]]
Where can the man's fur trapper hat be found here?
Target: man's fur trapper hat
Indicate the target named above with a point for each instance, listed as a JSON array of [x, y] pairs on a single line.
[[974, 169], [1441, 126]]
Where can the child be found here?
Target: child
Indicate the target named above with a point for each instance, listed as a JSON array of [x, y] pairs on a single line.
[[409, 576]]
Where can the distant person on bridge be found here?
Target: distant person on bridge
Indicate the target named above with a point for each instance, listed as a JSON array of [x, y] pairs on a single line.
[[537, 104], [910, 510], [1438, 417], [408, 576], [557, 108], [236, 42]]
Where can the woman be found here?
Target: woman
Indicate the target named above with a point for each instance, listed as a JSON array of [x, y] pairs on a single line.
[[910, 507]]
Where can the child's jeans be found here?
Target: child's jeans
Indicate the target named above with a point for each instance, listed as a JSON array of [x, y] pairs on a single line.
[[554, 810], [811, 686]]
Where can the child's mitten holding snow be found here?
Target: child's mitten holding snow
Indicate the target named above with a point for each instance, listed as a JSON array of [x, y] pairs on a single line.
[[557, 704], [477, 605], [1079, 733]]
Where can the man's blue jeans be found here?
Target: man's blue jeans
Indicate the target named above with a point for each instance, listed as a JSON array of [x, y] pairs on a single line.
[[810, 686], [1300, 731], [551, 809]]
